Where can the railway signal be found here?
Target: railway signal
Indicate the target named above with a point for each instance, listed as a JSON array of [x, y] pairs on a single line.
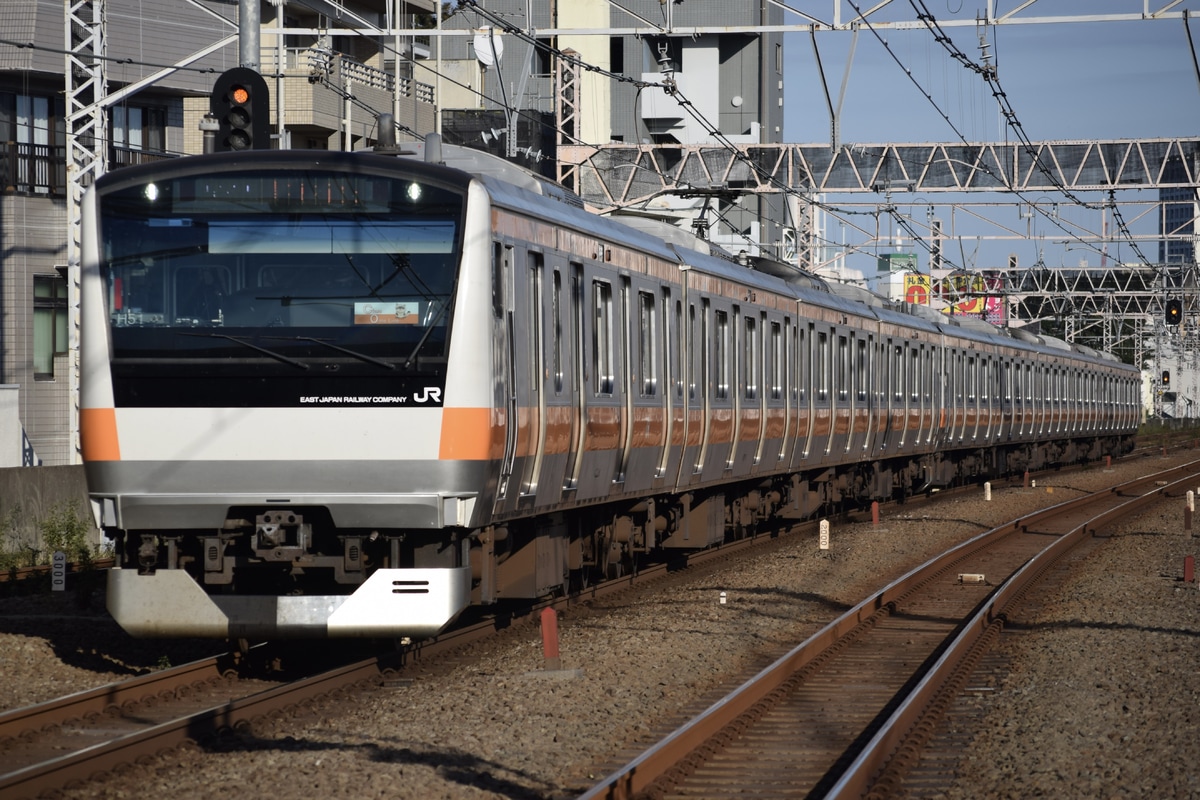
[[1166, 381], [241, 103], [1174, 312]]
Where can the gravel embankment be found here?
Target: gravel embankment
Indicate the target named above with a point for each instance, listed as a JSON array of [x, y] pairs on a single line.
[[499, 727]]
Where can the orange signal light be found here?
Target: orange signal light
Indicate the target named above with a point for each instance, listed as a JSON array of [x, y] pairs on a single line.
[[240, 95]]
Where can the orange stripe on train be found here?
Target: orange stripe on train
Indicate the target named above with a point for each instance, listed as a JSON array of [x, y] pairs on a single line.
[[98, 434], [466, 434]]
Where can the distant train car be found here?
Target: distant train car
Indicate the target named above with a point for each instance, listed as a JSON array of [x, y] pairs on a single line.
[[349, 394]]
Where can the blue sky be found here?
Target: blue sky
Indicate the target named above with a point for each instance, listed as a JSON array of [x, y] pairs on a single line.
[[1066, 81], [1104, 80]]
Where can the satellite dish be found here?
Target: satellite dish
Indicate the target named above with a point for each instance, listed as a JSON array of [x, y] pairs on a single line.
[[488, 47]]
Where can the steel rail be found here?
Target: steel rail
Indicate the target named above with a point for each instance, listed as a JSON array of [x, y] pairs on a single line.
[[875, 772], [690, 742]]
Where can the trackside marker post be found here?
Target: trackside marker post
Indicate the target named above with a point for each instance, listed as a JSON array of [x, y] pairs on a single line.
[[875, 513], [550, 639], [1189, 569], [823, 536], [987, 492]]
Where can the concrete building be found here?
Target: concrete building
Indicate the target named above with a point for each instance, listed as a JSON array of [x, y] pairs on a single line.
[[333, 81], [729, 88]]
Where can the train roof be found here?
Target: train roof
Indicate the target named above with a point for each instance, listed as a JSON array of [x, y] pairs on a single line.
[[519, 188]]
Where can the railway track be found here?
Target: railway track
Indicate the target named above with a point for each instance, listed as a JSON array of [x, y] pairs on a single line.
[[847, 712], [71, 739]]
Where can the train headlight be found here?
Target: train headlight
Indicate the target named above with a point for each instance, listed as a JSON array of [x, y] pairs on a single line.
[[414, 192], [151, 192]]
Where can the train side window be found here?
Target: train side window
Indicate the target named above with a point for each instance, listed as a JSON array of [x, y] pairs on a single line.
[[602, 343], [648, 360]]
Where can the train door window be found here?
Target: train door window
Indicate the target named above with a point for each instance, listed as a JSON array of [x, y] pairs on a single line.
[[926, 378], [861, 373], [843, 368], [498, 256], [675, 343], [985, 380], [800, 383], [751, 358], [602, 343], [557, 331], [897, 382], [721, 354], [578, 310], [971, 378], [695, 349], [648, 357], [776, 361], [536, 335], [822, 366], [914, 371]]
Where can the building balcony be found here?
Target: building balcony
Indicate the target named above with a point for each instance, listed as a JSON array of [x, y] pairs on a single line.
[[339, 88]]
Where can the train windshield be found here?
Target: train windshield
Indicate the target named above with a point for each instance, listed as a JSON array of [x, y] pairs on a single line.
[[292, 262]]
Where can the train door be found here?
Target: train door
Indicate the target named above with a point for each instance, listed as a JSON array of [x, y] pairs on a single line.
[[892, 399], [558, 399], [824, 405], [646, 403], [775, 398], [531, 399], [920, 408], [673, 347], [860, 392], [696, 418], [603, 424], [719, 426], [502, 291], [575, 359], [802, 391], [748, 400], [990, 397]]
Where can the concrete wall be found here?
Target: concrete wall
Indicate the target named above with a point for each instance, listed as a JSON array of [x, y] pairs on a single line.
[[27, 496]]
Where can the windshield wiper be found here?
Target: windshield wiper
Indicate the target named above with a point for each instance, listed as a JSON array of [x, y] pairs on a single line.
[[360, 356], [277, 356], [428, 330]]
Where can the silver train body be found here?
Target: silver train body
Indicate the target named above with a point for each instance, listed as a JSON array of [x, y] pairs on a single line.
[[336, 395]]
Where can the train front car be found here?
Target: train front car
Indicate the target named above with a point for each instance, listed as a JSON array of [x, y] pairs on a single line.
[[271, 432]]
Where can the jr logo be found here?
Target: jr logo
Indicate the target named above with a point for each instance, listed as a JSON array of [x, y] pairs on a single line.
[[431, 394]]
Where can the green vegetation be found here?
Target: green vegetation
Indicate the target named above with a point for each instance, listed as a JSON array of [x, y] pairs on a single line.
[[64, 527]]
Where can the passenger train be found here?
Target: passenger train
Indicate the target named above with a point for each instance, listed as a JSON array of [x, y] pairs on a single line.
[[329, 394]]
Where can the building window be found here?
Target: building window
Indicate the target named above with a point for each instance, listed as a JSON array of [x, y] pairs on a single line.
[[616, 55], [543, 55], [32, 144], [137, 130], [49, 323]]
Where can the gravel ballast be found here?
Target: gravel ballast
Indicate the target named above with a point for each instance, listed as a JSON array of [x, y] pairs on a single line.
[[1101, 694]]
